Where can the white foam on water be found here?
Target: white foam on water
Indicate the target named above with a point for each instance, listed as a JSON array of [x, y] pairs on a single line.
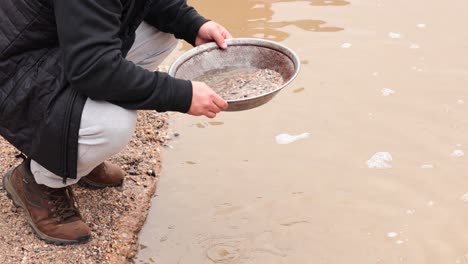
[[410, 211], [414, 46], [430, 203], [380, 161], [346, 45], [288, 139], [399, 242], [394, 35], [458, 153], [464, 197], [387, 91], [460, 101], [392, 234], [421, 25]]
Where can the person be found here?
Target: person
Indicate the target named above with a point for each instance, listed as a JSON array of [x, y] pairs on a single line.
[[72, 75]]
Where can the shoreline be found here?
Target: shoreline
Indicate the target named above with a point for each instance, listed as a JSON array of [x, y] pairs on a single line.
[[115, 215]]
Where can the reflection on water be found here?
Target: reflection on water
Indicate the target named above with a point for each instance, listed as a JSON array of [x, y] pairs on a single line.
[[254, 18], [313, 2]]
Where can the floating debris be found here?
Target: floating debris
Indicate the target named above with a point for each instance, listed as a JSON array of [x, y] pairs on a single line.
[[379, 161], [288, 139], [427, 166], [298, 90], [216, 123]]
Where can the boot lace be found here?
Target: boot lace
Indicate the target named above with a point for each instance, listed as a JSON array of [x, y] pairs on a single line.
[[63, 202]]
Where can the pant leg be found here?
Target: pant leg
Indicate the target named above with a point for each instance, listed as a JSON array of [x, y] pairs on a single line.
[[106, 128], [151, 47]]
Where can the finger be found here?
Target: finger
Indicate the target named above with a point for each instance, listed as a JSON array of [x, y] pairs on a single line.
[[219, 39], [210, 114], [214, 108], [226, 34], [219, 102]]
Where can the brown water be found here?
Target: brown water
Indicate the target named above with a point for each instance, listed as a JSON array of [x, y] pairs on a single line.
[[233, 83], [378, 76]]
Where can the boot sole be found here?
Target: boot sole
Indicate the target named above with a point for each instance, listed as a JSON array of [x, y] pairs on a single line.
[[13, 195], [95, 185]]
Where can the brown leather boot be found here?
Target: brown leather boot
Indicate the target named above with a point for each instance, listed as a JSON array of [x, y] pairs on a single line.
[[52, 213], [104, 175]]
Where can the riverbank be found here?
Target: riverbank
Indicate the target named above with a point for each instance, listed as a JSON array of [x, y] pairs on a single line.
[[115, 215]]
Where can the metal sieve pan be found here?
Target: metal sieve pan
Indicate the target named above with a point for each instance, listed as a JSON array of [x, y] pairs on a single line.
[[241, 52]]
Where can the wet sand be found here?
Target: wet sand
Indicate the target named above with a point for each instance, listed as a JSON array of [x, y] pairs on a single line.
[[377, 76], [233, 83]]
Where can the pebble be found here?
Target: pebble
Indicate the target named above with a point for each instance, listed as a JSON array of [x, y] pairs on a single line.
[[132, 171]]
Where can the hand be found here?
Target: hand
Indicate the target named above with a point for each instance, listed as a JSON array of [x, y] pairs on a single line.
[[212, 31], [205, 101]]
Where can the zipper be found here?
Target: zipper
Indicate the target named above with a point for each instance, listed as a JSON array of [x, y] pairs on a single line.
[[68, 114]]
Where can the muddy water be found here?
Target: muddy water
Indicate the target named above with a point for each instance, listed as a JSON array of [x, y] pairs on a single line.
[[382, 174]]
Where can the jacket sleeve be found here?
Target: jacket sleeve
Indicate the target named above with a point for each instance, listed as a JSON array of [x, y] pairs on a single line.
[[176, 17], [94, 65]]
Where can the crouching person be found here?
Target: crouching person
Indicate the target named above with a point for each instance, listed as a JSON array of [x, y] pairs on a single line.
[[72, 75]]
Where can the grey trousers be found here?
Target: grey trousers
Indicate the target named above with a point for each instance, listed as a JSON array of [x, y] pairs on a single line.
[[106, 128]]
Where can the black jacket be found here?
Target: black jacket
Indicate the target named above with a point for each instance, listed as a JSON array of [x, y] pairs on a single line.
[[56, 53]]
